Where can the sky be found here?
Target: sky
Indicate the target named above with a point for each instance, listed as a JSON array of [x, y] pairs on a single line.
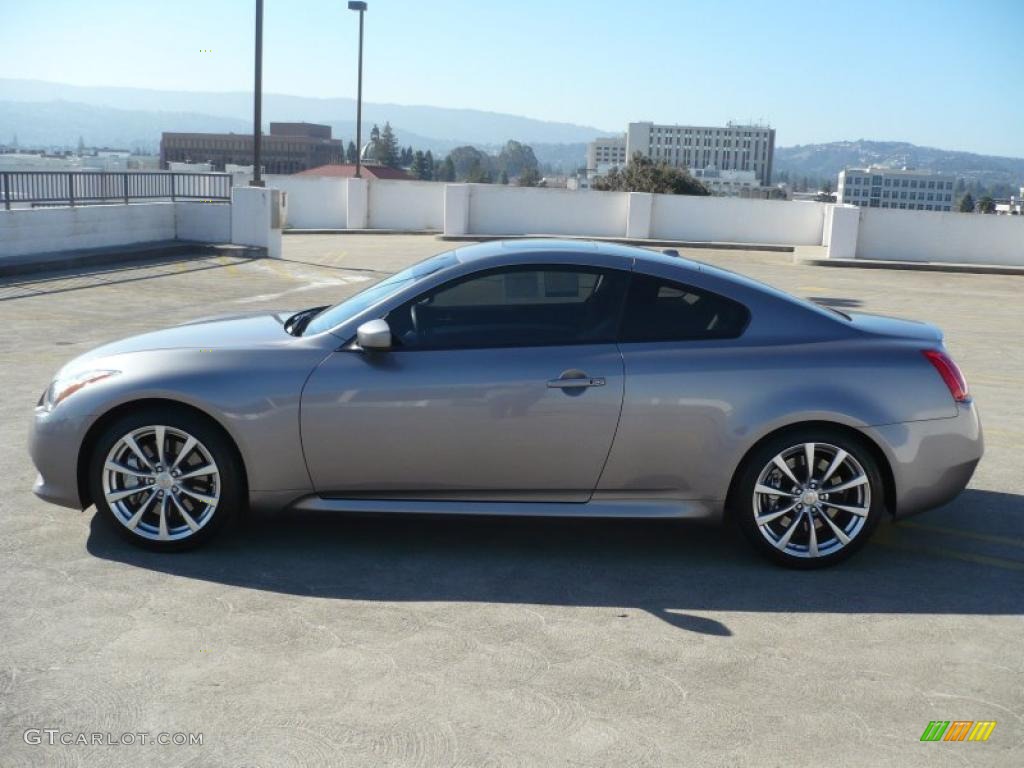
[[939, 73]]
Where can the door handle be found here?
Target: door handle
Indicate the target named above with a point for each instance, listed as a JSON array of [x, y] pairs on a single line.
[[576, 383]]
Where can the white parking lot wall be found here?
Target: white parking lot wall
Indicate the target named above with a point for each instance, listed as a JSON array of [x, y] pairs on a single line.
[[51, 230], [737, 220], [314, 202], [406, 205], [203, 222], [942, 237], [495, 209]]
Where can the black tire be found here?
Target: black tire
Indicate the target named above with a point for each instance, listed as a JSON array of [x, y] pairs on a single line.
[[797, 551], [228, 482]]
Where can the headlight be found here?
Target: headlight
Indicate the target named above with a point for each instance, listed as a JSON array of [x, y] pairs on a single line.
[[65, 386]]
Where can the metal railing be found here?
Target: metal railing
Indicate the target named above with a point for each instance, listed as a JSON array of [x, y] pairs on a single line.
[[92, 187]]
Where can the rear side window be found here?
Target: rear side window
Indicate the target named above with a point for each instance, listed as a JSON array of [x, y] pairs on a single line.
[[663, 310]]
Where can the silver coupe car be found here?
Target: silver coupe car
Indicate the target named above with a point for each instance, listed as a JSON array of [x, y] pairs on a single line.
[[529, 377]]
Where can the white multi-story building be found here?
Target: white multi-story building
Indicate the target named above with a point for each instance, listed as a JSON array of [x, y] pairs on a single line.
[[876, 187], [605, 154], [731, 147]]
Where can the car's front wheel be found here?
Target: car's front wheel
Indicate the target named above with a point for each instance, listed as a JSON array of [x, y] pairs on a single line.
[[809, 498], [167, 478]]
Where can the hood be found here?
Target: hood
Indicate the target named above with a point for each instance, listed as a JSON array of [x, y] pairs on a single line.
[[880, 325], [235, 331]]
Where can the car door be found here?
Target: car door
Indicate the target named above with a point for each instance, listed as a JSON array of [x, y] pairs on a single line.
[[686, 372], [505, 384]]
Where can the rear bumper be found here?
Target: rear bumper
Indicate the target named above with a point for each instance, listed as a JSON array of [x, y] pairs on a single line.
[[932, 461]]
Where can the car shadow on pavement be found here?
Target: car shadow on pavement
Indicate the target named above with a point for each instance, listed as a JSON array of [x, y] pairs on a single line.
[[675, 570]]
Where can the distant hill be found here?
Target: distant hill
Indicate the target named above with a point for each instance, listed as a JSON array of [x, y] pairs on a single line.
[[824, 161], [467, 126]]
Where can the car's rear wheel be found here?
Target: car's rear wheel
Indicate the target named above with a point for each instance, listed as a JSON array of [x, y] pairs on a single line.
[[167, 478], [809, 498]]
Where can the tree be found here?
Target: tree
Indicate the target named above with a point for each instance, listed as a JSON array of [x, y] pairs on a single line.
[[352, 153], [987, 205], [429, 159], [421, 168], [827, 187], [642, 174], [446, 170], [503, 179], [967, 204], [478, 174], [529, 178], [515, 158], [385, 146], [467, 158]]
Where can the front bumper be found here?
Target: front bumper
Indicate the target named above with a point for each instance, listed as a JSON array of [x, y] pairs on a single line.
[[54, 443], [932, 461]]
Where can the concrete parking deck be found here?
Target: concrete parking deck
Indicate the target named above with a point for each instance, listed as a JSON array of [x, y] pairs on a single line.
[[426, 642]]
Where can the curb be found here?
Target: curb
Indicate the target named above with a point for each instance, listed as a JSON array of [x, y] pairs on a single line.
[[66, 260], [913, 266]]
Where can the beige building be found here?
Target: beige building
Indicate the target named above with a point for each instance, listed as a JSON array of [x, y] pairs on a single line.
[[731, 147]]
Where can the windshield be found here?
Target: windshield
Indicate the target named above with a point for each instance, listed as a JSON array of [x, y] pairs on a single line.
[[346, 310]]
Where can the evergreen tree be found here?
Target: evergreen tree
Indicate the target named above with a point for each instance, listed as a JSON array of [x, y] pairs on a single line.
[[429, 160], [352, 153], [448, 169], [986, 205], [386, 146], [503, 179], [421, 168], [967, 204]]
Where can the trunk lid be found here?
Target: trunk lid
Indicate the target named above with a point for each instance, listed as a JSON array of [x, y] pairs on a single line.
[[881, 325]]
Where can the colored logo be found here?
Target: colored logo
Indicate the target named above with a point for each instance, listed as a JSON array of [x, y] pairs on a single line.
[[958, 730]]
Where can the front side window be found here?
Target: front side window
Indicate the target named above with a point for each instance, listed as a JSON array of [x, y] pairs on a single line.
[[662, 310], [514, 307]]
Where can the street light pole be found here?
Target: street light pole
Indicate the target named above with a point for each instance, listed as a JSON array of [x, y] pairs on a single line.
[[257, 111], [355, 5]]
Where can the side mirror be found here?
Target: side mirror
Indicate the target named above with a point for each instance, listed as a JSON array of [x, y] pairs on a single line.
[[375, 335]]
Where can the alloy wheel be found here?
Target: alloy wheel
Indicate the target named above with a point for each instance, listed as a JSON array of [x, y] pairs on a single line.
[[811, 500], [161, 483]]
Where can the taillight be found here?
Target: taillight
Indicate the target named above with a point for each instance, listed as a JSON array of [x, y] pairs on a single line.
[[950, 373]]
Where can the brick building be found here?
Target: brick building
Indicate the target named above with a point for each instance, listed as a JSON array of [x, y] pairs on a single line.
[[288, 148]]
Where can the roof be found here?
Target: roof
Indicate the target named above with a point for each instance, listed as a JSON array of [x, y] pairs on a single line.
[[349, 170]]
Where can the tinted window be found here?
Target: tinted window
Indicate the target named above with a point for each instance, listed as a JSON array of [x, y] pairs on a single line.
[[661, 310], [346, 310], [514, 307]]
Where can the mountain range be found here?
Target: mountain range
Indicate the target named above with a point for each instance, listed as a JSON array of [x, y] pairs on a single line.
[[42, 113], [45, 113], [1000, 175]]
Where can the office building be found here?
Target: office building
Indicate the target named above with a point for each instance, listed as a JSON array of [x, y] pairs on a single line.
[[288, 148], [877, 187], [731, 147], [606, 153]]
